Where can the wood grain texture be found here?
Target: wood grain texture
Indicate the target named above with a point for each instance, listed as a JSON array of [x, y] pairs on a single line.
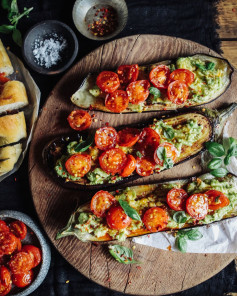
[[227, 19], [163, 272], [229, 49]]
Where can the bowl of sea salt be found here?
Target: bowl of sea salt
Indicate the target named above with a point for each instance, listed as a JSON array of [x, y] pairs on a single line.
[[50, 47]]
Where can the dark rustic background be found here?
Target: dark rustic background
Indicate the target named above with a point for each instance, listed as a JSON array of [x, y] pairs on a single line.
[[194, 20]]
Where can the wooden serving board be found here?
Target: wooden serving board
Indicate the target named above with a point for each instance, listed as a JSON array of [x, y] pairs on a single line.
[[162, 272]]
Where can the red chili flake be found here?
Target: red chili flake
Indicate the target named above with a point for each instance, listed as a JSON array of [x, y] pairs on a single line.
[[165, 109], [234, 9], [129, 258], [129, 282], [15, 179], [148, 236], [109, 279], [169, 248], [107, 124], [138, 267], [117, 191], [91, 107]]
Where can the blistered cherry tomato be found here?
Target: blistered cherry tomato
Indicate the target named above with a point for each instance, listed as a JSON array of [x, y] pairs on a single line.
[[171, 152], [138, 91], [34, 252], [182, 75], [216, 200], [23, 279], [176, 199], [128, 136], [112, 161], [3, 226], [155, 219], [101, 202], [197, 206], [21, 262], [129, 166], [117, 101], [117, 219], [106, 138], [8, 243], [79, 120], [159, 76], [145, 166], [127, 74], [5, 281], [78, 164], [148, 141], [108, 81], [18, 228], [177, 92]]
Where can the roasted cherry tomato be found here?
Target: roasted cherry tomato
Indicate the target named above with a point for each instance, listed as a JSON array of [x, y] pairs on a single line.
[[155, 219], [117, 101], [197, 206], [148, 142], [117, 219], [112, 161], [128, 136], [138, 91], [106, 138], [182, 75], [216, 200], [178, 92], [3, 78], [127, 74], [101, 202], [176, 199], [79, 120], [3, 226], [5, 281], [129, 167], [23, 279], [78, 164], [108, 81], [18, 228], [8, 243], [171, 152], [34, 252], [145, 166], [159, 76], [21, 262]]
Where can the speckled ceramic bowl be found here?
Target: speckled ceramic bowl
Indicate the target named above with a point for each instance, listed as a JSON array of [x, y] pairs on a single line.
[[35, 237]]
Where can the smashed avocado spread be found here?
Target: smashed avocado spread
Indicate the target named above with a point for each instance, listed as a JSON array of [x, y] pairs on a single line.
[[84, 222]]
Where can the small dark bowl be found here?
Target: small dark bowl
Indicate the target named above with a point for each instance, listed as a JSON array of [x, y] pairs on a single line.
[[36, 238], [46, 30]]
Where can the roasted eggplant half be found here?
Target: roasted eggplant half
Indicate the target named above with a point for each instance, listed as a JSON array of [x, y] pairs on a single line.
[[167, 206], [200, 79], [87, 162]]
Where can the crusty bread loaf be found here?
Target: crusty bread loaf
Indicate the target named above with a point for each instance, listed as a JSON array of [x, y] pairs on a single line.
[[8, 157], [12, 128], [12, 96], [5, 63]]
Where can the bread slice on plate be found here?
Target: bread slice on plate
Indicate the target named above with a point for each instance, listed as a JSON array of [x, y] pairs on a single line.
[[12, 96], [8, 157], [12, 128], [5, 63]]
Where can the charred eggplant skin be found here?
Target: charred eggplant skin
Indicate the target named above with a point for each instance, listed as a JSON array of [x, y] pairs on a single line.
[[57, 147]]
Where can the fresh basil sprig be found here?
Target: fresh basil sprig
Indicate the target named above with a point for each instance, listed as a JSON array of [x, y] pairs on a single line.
[[168, 133], [122, 254], [84, 145], [208, 66], [155, 92], [162, 155], [13, 16], [138, 153], [184, 235], [221, 156], [180, 217], [129, 211]]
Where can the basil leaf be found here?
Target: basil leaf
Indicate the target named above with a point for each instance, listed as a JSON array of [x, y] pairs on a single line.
[[14, 7], [221, 172], [122, 254], [193, 234], [201, 67], [6, 29], [16, 36], [210, 66], [215, 149], [131, 212], [155, 92], [168, 163], [180, 217], [168, 133], [138, 153], [6, 4], [215, 163], [181, 244], [227, 159], [84, 145], [161, 153]]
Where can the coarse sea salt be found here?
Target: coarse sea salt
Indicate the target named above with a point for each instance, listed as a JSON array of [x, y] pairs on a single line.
[[47, 52]]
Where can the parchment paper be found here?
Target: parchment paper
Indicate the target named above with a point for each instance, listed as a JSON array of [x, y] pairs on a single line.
[[30, 111]]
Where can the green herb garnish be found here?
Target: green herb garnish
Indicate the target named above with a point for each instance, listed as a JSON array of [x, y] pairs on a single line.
[[129, 211], [84, 145], [184, 235], [180, 217], [138, 153], [122, 254], [162, 155], [155, 92]]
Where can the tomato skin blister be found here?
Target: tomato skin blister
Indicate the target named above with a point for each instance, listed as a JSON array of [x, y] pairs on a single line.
[[106, 138], [197, 206], [101, 202], [8, 243], [117, 219], [21, 262]]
